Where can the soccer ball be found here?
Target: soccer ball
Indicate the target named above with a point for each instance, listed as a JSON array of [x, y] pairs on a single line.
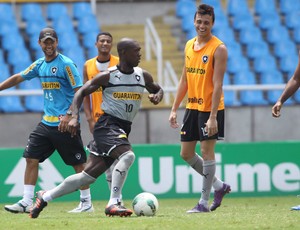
[[145, 204]]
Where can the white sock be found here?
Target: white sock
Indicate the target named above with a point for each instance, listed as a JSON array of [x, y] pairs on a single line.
[[28, 195], [86, 195]]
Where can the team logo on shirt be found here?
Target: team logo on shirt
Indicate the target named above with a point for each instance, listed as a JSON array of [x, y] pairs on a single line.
[[137, 77], [54, 70], [204, 59]]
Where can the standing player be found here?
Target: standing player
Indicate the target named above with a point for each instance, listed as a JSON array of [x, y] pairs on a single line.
[[60, 80], [92, 103], [123, 86], [202, 80], [291, 87]]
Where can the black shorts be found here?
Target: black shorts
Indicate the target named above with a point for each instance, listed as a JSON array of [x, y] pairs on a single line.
[[194, 123], [109, 133], [44, 140]]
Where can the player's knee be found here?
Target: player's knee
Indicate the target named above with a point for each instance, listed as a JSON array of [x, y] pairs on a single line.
[[128, 157]]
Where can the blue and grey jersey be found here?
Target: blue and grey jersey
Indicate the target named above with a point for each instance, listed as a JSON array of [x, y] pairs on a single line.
[[123, 96], [59, 78]]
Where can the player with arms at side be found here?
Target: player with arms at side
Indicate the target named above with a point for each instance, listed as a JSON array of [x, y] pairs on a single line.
[[92, 103], [202, 80], [60, 80], [123, 87], [290, 89]]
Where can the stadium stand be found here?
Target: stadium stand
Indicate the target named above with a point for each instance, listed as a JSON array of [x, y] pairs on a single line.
[[265, 28], [268, 33]]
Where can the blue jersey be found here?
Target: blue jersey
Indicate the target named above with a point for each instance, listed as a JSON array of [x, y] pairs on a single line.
[[59, 78]]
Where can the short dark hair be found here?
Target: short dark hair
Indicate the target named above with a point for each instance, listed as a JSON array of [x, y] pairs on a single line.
[[204, 9], [104, 33]]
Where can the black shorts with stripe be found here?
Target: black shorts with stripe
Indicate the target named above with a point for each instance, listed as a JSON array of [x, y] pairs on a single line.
[[194, 123], [109, 133], [44, 140]]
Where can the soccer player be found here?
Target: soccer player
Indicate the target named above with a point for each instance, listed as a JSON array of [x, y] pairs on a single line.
[[60, 80], [202, 80], [123, 86], [92, 103], [290, 89]]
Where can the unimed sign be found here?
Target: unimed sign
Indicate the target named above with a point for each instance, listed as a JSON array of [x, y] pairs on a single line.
[[252, 169]]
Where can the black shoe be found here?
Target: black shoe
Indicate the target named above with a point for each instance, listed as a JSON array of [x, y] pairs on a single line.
[[39, 205]]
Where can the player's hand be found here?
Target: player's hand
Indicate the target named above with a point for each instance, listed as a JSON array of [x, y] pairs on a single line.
[[73, 126], [173, 120], [154, 98], [211, 127], [63, 125], [276, 109]]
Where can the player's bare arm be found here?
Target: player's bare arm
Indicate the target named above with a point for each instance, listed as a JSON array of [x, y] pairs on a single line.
[[89, 87], [291, 87], [12, 81], [181, 92], [156, 92], [220, 62]]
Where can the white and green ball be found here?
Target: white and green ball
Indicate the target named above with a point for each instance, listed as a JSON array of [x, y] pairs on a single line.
[[145, 204]]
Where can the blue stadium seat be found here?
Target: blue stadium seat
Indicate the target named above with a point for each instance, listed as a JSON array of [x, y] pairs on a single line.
[[257, 49], [88, 24], [244, 78], [292, 20], [241, 21], [56, 10], [185, 7], [20, 66], [264, 6], [234, 50], [20, 55], [81, 9], [238, 64], [264, 63], [31, 11], [92, 52], [287, 6], [187, 22], [236, 7], [4, 71], [33, 103], [63, 24], [68, 41], [38, 54], [11, 104], [268, 20], [6, 11], [251, 34], [296, 96], [288, 64], [226, 34], [221, 21], [34, 27], [253, 98], [271, 76], [296, 35], [216, 4], [285, 48], [230, 96], [8, 27], [89, 39], [276, 34], [12, 41]]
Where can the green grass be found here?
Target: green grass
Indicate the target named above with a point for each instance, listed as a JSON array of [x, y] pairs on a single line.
[[235, 213]]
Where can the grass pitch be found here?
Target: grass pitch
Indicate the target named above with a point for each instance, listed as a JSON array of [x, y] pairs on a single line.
[[235, 213]]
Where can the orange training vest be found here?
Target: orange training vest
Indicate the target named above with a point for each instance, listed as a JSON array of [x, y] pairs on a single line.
[[199, 73], [96, 97]]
